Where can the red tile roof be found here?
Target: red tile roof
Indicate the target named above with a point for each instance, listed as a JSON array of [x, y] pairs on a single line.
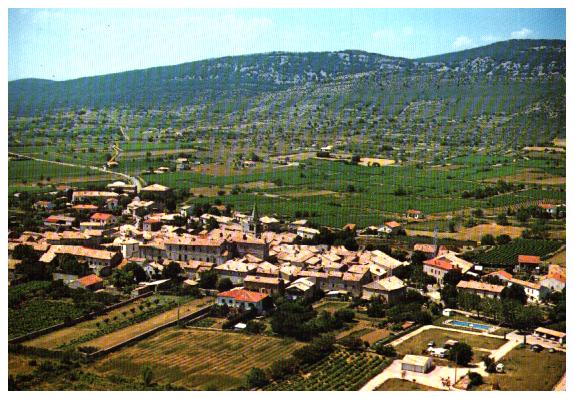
[[534, 260], [501, 273], [477, 285], [243, 295], [441, 264], [392, 224], [101, 216], [89, 280]]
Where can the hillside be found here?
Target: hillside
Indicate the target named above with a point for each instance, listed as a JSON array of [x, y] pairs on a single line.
[[497, 89]]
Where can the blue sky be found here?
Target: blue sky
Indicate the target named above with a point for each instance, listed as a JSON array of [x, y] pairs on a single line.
[[63, 44]]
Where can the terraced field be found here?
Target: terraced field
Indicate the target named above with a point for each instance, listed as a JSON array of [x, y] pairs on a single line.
[[197, 359]]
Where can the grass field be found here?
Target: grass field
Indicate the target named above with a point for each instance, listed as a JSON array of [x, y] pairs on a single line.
[[528, 371], [197, 359], [417, 344], [396, 384]]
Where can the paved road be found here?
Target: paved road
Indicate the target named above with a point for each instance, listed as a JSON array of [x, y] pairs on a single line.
[[135, 181]]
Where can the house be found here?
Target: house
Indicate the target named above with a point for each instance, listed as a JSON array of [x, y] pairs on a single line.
[[429, 250], [44, 205], [235, 271], [245, 244], [194, 268], [139, 208], [391, 289], [438, 268], [501, 274], [300, 288], [415, 214], [483, 290], [555, 211], [186, 248], [307, 232], [181, 164], [266, 285], [90, 282], [417, 364], [59, 221], [152, 224], [241, 298], [121, 187], [103, 218], [527, 262], [293, 226], [555, 280], [88, 196], [553, 335], [390, 228], [269, 223], [99, 260], [84, 208], [534, 291]]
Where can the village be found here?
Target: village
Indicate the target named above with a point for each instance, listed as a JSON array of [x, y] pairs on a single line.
[[246, 267]]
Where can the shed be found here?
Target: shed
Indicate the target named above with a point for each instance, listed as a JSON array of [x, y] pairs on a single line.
[[417, 364]]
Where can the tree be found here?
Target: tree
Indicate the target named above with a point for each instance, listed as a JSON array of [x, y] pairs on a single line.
[[147, 376], [283, 367], [503, 239], [528, 317], [501, 219], [461, 353], [452, 277], [138, 271], [475, 379], [487, 239], [355, 159], [208, 279], [478, 213], [522, 215], [212, 224], [255, 327], [173, 270], [514, 292], [352, 343], [345, 315], [256, 378], [121, 278], [386, 350], [376, 307], [224, 284]]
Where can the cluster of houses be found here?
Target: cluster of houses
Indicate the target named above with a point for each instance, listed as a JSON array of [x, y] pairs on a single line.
[[258, 254]]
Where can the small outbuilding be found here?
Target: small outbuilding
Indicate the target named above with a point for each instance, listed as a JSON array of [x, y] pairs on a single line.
[[417, 364]]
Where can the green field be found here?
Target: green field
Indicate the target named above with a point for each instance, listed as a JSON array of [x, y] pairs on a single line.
[[507, 255], [528, 371]]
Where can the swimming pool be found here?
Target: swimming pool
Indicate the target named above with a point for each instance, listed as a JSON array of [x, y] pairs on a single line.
[[468, 324]]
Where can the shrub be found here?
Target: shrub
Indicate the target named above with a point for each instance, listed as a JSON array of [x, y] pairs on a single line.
[[386, 350], [147, 376], [475, 379], [256, 378]]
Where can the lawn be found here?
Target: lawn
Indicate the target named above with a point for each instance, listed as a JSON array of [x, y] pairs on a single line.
[[396, 384], [528, 371], [417, 344], [197, 359]]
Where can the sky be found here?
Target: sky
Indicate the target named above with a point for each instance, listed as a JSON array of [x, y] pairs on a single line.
[[62, 44]]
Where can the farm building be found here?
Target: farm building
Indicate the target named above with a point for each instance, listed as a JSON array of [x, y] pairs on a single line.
[[553, 335], [391, 290], [417, 364], [307, 232], [390, 228], [241, 298], [555, 280], [59, 221], [103, 218], [80, 196], [528, 262]]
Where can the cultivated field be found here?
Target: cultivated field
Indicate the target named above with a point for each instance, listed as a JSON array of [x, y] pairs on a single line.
[[124, 334], [197, 359], [396, 384]]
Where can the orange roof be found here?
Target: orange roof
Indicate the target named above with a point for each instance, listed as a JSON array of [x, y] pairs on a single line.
[[392, 224], [101, 216], [501, 273], [441, 264], [243, 295], [415, 211], [477, 285], [85, 207], [534, 260], [546, 206], [89, 280], [430, 248]]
